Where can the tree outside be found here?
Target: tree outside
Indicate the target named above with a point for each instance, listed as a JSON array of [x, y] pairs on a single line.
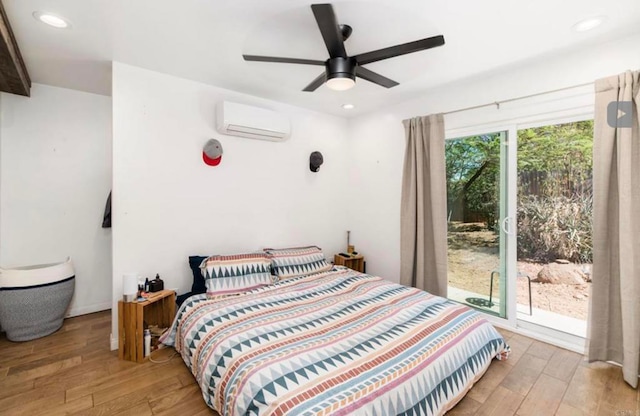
[[473, 165]]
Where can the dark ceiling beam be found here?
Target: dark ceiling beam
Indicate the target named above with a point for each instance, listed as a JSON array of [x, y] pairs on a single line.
[[14, 77]]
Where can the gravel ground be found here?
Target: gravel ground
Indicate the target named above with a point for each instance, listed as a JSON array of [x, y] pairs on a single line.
[[473, 255]]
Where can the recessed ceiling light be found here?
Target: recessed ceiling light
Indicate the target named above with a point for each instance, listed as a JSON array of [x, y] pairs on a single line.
[[52, 20], [588, 24], [348, 106]]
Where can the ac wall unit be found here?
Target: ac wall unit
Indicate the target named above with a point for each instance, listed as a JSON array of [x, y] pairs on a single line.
[[256, 123]]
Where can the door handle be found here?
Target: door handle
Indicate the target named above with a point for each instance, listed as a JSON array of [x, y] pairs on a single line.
[[504, 226]]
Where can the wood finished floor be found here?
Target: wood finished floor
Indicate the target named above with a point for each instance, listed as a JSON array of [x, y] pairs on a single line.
[[73, 372]]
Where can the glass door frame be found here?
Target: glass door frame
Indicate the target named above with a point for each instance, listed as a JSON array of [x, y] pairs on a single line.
[[506, 222], [511, 128]]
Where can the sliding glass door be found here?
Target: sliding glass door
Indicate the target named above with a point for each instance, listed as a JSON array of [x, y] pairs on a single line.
[[477, 220], [519, 205]]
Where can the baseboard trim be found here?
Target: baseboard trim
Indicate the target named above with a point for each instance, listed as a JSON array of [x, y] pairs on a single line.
[[562, 340], [114, 343], [559, 339], [83, 310]]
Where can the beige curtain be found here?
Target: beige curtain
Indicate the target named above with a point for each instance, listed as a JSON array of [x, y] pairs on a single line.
[[614, 317], [423, 229]]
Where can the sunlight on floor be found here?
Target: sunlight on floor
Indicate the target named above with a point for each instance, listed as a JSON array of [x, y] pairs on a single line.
[[563, 323]]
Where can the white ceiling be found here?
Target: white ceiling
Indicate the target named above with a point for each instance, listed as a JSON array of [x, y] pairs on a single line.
[[204, 40]]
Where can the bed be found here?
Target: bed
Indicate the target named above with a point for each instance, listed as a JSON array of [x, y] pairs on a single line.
[[336, 342]]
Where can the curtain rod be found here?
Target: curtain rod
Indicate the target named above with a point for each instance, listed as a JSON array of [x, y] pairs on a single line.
[[497, 103]]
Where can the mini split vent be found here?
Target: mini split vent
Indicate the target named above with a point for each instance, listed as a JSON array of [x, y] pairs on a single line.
[[255, 123]]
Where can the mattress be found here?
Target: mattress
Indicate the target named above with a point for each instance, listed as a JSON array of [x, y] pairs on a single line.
[[333, 343]]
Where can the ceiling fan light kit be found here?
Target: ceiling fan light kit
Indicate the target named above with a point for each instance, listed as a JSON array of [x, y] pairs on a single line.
[[341, 69], [341, 84], [341, 73]]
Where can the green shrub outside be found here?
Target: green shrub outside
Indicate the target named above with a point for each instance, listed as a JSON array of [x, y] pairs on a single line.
[[555, 227]]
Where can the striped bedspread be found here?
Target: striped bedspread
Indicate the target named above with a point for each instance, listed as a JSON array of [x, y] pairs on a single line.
[[333, 343]]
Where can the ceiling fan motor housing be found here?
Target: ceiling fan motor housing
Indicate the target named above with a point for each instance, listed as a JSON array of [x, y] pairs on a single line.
[[341, 68]]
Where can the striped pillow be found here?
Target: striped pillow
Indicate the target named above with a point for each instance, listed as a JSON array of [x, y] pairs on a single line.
[[297, 261], [235, 274]]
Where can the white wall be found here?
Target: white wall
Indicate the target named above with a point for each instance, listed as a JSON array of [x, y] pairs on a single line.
[[377, 140], [55, 175], [168, 204]]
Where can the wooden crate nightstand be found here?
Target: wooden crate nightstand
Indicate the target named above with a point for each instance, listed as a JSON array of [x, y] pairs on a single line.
[[159, 310], [353, 262]]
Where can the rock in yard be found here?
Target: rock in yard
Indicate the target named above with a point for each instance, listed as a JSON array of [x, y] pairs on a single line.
[[557, 273]]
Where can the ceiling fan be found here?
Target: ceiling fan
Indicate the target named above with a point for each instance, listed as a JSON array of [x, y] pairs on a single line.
[[341, 69]]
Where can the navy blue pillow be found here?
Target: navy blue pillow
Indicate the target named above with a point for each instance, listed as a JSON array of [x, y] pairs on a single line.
[[198, 285]]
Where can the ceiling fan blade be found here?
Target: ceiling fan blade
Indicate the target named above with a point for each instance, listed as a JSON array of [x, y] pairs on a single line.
[[405, 48], [374, 77], [316, 83], [328, 24], [282, 60]]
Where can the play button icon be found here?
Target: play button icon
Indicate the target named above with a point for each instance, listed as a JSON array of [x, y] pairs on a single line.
[[620, 114]]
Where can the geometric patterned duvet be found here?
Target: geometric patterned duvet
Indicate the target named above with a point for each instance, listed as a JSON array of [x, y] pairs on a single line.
[[334, 343]]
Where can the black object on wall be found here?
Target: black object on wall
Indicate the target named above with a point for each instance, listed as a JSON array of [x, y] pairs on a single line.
[[315, 160], [106, 218]]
